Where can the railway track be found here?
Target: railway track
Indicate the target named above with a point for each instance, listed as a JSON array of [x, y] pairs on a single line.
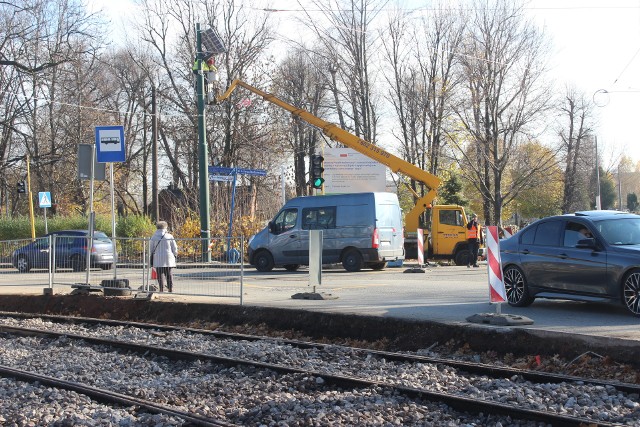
[[315, 376], [492, 371], [113, 398]]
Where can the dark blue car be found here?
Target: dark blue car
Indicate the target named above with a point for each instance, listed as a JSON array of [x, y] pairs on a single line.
[[70, 251], [587, 256]]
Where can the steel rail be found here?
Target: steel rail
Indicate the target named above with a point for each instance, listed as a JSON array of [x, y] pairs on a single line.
[[107, 396], [470, 367], [457, 402]]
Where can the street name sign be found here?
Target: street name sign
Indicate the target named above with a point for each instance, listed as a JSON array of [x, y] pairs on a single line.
[[219, 170]]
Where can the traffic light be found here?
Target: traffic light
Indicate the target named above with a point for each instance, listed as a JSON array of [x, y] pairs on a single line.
[[22, 187], [315, 171]]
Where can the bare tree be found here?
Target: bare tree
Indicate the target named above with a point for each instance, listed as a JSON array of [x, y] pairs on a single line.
[[131, 81], [39, 39], [422, 83], [168, 29], [575, 134], [505, 95], [348, 42], [168, 32], [301, 83]]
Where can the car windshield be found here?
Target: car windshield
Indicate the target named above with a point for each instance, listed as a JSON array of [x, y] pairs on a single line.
[[622, 231]]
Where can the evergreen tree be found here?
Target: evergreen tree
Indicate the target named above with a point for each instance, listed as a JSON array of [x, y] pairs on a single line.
[[450, 193], [607, 191], [632, 202]]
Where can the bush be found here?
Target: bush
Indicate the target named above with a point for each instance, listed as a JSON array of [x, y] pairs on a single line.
[[16, 228], [135, 226], [20, 227], [189, 229], [244, 226], [139, 226]]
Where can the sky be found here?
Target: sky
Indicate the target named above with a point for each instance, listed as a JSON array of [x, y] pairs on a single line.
[[595, 48]]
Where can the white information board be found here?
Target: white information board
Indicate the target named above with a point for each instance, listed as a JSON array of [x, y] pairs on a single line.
[[347, 171]]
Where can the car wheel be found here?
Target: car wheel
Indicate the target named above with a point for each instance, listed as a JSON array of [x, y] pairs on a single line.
[[378, 265], [22, 264], [106, 266], [291, 267], [462, 257], [352, 260], [631, 292], [515, 286], [77, 263], [263, 261]]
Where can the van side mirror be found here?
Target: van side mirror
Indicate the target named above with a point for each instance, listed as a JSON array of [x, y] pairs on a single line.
[[272, 227], [589, 243]]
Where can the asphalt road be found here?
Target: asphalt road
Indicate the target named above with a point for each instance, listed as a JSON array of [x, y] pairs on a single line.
[[443, 294]]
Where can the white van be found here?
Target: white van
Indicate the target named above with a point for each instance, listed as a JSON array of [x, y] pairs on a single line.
[[359, 230]]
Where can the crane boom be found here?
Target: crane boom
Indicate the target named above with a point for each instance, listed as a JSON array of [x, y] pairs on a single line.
[[396, 164]]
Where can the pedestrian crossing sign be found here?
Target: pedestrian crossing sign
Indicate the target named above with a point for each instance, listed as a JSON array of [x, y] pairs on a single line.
[[45, 199]]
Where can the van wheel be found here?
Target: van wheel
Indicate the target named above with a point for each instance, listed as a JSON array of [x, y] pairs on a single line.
[[263, 261], [352, 260], [462, 257], [291, 267], [378, 265]]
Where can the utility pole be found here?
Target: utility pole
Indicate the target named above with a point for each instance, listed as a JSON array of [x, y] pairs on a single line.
[[619, 190], [35, 144], [30, 196], [154, 156], [203, 156]]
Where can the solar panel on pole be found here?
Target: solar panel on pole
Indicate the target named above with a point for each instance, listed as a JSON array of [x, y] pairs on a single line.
[[213, 44]]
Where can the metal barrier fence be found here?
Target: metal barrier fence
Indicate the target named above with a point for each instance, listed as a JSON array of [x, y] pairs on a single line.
[[27, 263]]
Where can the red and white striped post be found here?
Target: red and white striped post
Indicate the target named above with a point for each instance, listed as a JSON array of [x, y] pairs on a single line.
[[497, 292], [420, 247]]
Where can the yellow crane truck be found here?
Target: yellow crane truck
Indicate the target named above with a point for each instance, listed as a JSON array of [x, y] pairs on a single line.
[[446, 238]]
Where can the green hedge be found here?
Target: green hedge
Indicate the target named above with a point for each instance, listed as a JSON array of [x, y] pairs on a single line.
[[129, 226]]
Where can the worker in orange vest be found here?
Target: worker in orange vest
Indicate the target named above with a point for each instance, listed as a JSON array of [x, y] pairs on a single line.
[[474, 238]]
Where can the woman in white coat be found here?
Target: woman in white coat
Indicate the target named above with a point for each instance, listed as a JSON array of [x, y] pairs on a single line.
[[163, 255]]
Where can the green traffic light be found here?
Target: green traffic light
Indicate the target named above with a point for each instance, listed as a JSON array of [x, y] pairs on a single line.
[[315, 171]]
